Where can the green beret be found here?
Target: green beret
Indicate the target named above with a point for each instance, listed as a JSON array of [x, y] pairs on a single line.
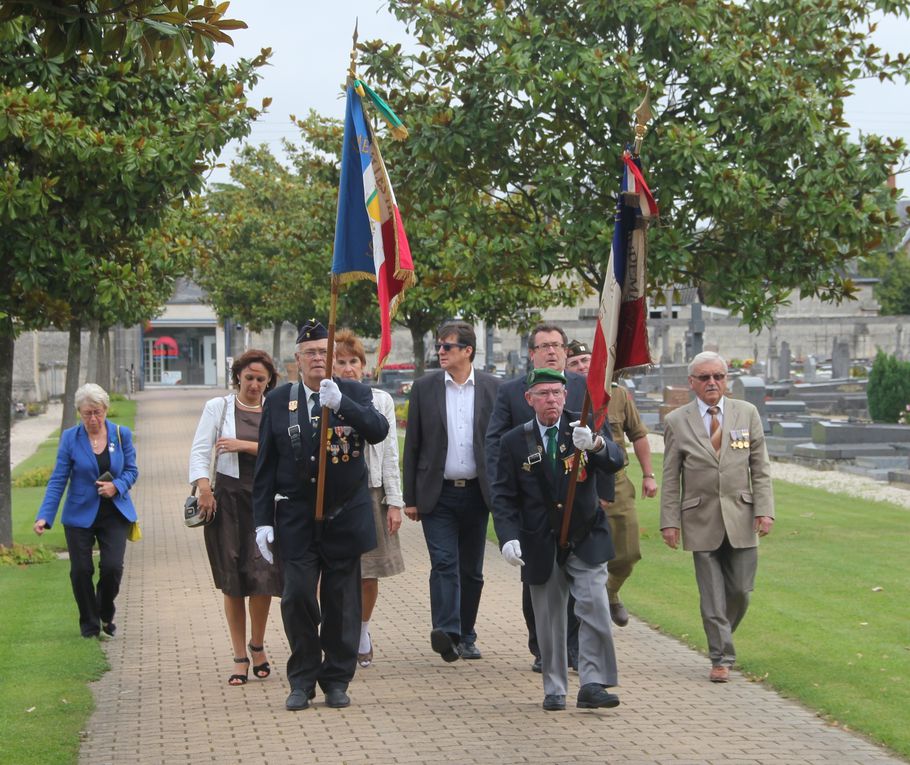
[[545, 375], [576, 348]]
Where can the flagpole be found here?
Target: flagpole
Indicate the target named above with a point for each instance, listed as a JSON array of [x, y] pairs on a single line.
[[643, 116], [330, 351]]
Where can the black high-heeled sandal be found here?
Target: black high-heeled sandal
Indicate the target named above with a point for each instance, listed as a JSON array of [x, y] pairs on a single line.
[[262, 671], [240, 679]]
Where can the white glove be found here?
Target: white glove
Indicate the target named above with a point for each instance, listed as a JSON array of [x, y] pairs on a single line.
[[265, 535], [583, 438], [329, 394], [511, 551]]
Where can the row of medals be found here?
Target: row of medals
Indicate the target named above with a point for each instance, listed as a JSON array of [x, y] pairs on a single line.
[[342, 446], [739, 439]]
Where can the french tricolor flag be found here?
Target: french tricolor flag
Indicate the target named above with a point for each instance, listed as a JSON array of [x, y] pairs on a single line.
[[621, 337], [370, 242]]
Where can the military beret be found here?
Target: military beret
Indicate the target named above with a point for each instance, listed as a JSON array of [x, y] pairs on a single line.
[[577, 348], [312, 330], [545, 375]]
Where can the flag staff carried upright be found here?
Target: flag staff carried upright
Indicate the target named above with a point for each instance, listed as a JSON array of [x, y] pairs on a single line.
[[621, 337], [370, 242]]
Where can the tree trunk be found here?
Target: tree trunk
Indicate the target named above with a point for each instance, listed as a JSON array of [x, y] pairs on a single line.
[[73, 361], [276, 343], [418, 349], [103, 374], [91, 362], [7, 346]]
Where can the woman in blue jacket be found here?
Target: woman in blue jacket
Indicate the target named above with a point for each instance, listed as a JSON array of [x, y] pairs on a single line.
[[97, 507]]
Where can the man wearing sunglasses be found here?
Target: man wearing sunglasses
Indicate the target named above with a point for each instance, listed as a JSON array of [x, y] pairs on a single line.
[[717, 491], [446, 486]]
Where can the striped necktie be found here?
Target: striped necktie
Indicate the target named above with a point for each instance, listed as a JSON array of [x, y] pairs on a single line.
[[715, 428]]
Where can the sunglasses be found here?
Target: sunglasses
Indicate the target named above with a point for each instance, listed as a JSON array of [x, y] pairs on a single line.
[[448, 346], [718, 376]]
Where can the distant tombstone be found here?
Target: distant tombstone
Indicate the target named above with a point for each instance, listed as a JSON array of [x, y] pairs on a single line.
[[840, 360], [678, 353], [752, 389], [783, 362], [809, 366]]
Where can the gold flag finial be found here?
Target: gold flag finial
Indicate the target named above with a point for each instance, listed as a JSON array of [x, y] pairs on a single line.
[[643, 115], [352, 72]]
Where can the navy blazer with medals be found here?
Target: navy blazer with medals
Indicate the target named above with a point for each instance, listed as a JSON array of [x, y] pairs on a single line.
[[348, 527], [522, 509], [513, 408]]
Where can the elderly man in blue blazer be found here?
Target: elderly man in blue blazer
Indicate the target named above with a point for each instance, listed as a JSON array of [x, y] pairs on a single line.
[[98, 461], [529, 497]]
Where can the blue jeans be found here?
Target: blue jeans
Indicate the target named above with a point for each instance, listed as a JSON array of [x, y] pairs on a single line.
[[456, 536]]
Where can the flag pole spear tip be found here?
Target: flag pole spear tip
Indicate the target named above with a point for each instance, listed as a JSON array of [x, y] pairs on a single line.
[[643, 115], [352, 73]]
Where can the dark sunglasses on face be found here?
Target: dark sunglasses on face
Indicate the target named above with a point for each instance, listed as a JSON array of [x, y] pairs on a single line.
[[718, 376], [449, 346]]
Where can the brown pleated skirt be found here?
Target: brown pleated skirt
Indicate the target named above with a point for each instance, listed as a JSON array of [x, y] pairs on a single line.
[[238, 567], [385, 560]]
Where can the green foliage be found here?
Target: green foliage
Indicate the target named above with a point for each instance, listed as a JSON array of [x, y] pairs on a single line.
[[20, 555], [758, 182], [401, 413], [36, 477], [888, 390], [893, 289]]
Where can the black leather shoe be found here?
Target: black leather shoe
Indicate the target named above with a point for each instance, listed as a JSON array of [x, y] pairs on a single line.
[[298, 700], [469, 651], [444, 645], [109, 628], [337, 698], [595, 696], [554, 703], [536, 666], [619, 615]]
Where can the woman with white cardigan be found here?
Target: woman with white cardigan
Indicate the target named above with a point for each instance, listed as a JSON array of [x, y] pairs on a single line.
[[229, 431]]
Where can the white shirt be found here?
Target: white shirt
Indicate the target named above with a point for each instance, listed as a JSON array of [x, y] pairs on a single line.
[[460, 462], [706, 416]]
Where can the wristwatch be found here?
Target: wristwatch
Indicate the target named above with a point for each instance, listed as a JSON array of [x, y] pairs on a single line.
[[649, 475]]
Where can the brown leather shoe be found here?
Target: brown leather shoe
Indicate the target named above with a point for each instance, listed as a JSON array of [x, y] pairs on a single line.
[[618, 614], [719, 674]]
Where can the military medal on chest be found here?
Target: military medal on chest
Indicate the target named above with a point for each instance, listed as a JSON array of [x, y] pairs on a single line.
[[739, 439]]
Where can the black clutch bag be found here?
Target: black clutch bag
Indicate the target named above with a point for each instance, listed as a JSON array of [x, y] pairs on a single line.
[[192, 518]]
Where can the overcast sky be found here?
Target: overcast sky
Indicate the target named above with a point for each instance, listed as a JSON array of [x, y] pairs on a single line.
[[311, 45]]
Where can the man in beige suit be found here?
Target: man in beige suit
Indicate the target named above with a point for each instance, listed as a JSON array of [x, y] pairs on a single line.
[[717, 490]]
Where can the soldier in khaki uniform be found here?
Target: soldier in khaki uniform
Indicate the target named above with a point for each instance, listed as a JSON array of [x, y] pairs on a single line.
[[624, 422]]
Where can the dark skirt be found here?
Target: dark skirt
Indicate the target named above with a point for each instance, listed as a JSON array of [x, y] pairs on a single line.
[[238, 567]]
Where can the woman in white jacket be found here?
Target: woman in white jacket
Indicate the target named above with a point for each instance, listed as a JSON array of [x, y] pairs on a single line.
[[385, 487], [229, 427]]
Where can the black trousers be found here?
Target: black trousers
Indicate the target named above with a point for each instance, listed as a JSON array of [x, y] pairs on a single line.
[[96, 604], [323, 640]]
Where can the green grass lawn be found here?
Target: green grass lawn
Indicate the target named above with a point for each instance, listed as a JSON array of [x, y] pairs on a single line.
[[828, 623], [46, 702]]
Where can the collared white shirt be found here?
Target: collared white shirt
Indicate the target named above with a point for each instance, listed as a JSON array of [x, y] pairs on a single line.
[[706, 416], [460, 462], [308, 392]]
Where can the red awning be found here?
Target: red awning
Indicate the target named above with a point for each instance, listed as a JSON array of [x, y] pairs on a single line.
[[165, 348]]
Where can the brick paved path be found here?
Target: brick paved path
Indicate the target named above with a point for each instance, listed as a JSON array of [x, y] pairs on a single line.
[[166, 699]]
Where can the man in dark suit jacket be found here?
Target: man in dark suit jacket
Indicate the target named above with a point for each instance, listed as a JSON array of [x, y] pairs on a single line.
[[323, 640], [547, 349], [446, 486], [529, 493]]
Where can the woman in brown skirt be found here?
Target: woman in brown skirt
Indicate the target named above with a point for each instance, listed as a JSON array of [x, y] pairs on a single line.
[[230, 427], [385, 488]]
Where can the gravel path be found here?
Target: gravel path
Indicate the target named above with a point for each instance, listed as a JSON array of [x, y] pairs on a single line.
[[833, 481]]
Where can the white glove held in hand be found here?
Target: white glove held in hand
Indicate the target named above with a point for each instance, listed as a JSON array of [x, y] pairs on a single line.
[[511, 551], [583, 438], [265, 535], [329, 394]]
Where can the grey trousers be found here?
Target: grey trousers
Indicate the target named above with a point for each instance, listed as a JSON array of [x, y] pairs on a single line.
[[596, 654], [725, 577]]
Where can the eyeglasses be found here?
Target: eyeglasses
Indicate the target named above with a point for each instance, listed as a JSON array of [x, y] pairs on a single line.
[[448, 346], [548, 346], [549, 393], [718, 376], [98, 413], [312, 353]]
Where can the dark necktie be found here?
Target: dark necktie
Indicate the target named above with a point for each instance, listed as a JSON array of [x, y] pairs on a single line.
[[315, 410], [715, 428], [551, 445]]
